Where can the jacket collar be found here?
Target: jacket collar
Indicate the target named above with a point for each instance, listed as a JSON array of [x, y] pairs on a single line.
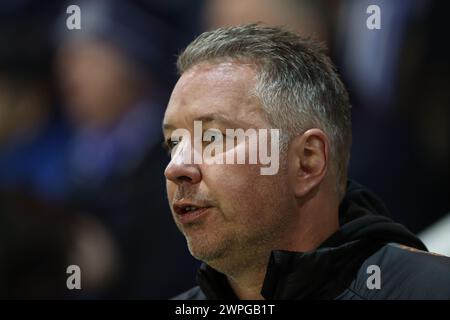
[[320, 274]]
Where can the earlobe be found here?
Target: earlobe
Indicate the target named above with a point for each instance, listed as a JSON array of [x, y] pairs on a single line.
[[312, 161]]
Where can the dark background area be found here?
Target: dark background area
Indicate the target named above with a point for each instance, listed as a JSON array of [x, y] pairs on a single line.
[[81, 164]]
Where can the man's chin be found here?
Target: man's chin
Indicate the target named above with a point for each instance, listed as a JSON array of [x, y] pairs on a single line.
[[205, 249]]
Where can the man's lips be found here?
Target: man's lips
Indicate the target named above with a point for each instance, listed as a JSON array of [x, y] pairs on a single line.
[[188, 211]]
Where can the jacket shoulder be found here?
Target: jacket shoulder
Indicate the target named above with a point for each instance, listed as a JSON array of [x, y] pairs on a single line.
[[399, 272], [194, 293]]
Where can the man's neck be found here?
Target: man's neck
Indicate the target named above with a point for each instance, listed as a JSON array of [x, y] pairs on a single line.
[[248, 283], [247, 286], [304, 234]]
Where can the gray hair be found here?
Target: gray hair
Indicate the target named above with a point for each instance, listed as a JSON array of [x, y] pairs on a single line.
[[297, 83]]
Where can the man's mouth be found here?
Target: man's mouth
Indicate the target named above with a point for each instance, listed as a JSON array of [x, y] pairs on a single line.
[[188, 212]]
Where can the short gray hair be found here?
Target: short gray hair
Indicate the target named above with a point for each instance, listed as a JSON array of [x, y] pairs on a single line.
[[297, 83]]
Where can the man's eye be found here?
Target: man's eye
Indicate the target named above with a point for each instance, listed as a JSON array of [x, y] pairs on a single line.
[[169, 144], [173, 143]]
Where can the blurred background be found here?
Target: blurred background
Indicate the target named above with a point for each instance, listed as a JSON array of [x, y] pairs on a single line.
[[81, 163]]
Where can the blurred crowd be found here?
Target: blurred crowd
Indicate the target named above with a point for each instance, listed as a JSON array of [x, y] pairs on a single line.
[[81, 163]]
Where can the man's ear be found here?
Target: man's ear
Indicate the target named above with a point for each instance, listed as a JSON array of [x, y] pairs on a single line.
[[309, 159]]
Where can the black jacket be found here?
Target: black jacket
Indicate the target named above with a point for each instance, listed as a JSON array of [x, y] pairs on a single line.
[[368, 247]]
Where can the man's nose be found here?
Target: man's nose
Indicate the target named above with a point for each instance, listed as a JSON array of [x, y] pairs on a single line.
[[179, 172]]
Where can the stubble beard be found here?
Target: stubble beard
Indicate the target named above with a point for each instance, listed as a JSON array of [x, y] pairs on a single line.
[[232, 252]]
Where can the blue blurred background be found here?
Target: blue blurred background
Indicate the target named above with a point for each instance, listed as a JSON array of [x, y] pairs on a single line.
[[81, 163]]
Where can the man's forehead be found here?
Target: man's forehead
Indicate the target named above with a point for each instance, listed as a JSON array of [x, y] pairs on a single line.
[[222, 79], [226, 88]]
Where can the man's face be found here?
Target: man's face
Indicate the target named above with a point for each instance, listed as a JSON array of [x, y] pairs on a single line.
[[240, 212]]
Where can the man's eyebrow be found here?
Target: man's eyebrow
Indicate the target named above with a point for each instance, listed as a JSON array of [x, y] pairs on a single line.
[[205, 119], [216, 118], [168, 126]]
